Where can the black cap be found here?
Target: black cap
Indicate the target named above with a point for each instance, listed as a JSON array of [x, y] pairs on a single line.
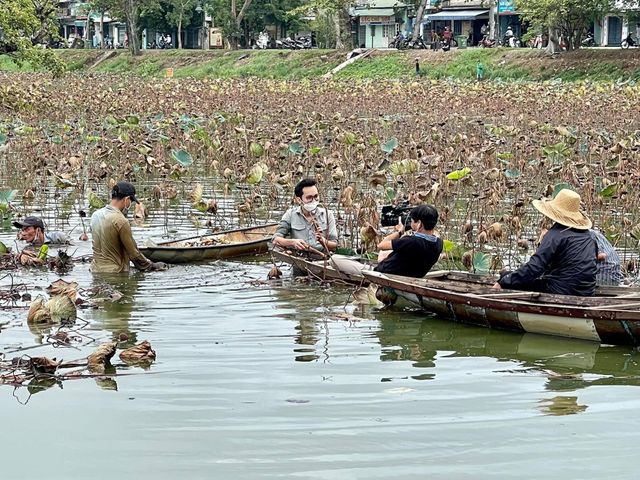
[[29, 222], [124, 189]]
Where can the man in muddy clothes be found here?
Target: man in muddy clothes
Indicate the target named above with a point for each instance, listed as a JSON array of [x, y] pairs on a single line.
[[33, 232], [113, 243]]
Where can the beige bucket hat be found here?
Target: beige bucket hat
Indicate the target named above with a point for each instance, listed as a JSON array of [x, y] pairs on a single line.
[[564, 209]]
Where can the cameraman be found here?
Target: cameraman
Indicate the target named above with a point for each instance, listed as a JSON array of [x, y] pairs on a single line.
[[412, 255], [407, 255]]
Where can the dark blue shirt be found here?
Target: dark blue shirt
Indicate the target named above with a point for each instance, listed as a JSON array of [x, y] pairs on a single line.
[[565, 263]]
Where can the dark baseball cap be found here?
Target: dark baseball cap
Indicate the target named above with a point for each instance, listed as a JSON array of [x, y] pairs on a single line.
[[124, 189], [29, 222]]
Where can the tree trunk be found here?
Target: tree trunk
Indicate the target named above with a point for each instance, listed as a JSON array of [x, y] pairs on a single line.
[[554, 45], [87, 28], [101, 37], [338, 29], [132, 13], [180, 33], [418, 22], [492, 20]]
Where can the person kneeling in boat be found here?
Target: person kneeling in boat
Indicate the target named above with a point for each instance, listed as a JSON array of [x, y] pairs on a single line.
[[565, 261], [409, 255], [307, 225], [113, 243], [33, 232]]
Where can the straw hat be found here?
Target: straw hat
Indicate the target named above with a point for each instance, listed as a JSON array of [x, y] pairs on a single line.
[[564, 209]]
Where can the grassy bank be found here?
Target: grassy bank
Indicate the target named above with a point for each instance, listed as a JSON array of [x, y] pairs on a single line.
[[505, 64]]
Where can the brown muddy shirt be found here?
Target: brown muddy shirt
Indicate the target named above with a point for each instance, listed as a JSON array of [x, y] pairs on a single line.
[[113, 243]]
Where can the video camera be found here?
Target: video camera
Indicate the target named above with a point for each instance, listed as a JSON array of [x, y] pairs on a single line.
[[391, 214]]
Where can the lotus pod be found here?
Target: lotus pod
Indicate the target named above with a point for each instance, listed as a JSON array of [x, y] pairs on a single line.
[[140, 353], [38, 312], [483, 237], [227, 173], [496, 263], [467, 228], [61, 308], [255, 175], [196, 193], [523, 243], [94, 200], [28, 194]]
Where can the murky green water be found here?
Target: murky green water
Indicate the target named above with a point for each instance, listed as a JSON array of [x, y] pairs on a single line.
[[258, 379]]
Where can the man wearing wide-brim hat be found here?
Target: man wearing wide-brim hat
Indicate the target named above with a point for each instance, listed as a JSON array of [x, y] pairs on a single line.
[[565, 262]]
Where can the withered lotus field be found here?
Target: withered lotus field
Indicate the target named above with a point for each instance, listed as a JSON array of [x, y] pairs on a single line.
[[479, 151]]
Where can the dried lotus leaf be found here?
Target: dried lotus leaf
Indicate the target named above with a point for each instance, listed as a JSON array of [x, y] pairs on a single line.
[[142, 352]]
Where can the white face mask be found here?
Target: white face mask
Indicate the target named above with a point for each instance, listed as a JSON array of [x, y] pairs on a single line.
[[125, 211], [311, 206]]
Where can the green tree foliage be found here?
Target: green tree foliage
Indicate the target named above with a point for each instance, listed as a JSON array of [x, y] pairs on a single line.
[[568, 18], [26, 27], [239, 24], [180, 14]]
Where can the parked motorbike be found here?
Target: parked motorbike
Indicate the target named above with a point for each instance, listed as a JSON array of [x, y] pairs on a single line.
[[629, 42], [588, 41], [511, 41], [486, 42], [398, 42]]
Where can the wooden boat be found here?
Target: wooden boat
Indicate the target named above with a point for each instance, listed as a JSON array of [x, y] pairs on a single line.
[[610, 317], [225, 244], [317, 267]]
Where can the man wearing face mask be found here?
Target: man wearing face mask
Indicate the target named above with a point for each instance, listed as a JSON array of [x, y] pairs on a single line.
[[307, 224], [113, 243]]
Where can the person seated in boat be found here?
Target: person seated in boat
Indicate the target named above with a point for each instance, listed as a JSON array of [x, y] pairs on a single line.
[[33, 232], [409, 255], [113, 243], [565, 261], [608, 266], [307, 226]]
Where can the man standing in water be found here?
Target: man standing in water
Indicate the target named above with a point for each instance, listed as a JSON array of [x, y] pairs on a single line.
[[307, 224], [113, 243]]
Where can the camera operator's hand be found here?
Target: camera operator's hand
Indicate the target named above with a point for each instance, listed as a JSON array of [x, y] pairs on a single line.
[[399, 227]]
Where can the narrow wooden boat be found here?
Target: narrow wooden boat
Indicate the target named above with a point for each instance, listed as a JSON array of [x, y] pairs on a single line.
[[610, 317], [226, 244], [317, 267]]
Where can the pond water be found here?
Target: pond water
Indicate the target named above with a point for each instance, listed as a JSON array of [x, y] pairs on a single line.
[[286, 379]]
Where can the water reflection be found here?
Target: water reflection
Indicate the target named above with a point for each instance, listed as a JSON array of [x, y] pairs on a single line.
[[566, 364], [115, 316]]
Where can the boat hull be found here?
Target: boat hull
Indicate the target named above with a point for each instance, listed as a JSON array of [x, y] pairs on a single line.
[[168, 252], [605, 319]]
